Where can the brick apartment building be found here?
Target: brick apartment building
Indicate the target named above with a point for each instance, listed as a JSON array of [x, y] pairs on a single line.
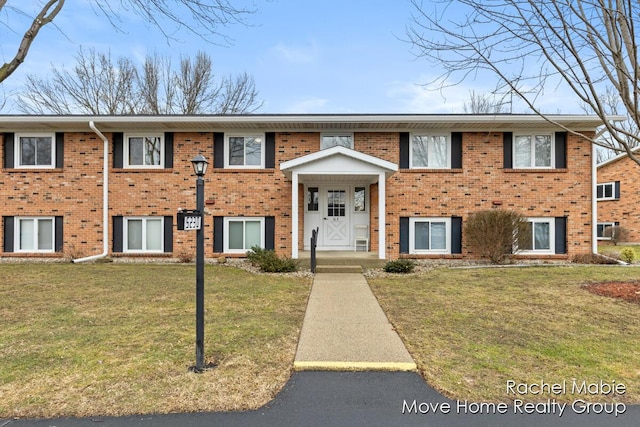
[[618, 195], [408, 182]]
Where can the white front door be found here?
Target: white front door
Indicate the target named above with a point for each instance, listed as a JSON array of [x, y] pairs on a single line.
[[336, 219]]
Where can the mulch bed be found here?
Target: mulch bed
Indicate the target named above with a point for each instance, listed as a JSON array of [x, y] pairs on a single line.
[[628, 291]]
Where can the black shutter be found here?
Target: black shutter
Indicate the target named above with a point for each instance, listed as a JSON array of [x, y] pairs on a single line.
[[118, 150], [561, 150], [9, 139], [270, 232], [168, 233], [507, 147], [59, 234], [168, 150], [218, 234], [456, 235], [218, 150], [561, 235], [270, 150], [616, 190], [404, 150], [8, 233], [456, 150], [59, 149], [118, 231], [404, 235]]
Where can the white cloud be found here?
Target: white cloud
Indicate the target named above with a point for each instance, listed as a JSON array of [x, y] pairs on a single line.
[[302, 54]]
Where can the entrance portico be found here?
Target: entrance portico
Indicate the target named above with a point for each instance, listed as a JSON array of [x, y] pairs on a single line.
[[337, 189]]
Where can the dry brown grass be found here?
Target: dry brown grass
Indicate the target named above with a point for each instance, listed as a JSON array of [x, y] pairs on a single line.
[[472, 330], [79, 340]]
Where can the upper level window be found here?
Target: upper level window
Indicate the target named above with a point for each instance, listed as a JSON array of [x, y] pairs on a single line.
[[336, 140], [533, 150], [35, 151], [430, 151], [144, 151], [245, 151], [606, 191]]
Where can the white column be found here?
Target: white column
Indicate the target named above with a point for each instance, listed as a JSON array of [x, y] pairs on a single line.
[[294, 215], [382, 232]]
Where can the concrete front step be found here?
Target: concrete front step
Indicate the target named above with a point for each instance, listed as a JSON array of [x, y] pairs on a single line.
[[338, 269]]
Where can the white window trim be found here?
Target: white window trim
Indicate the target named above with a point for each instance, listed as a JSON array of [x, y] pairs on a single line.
[[332, 134], [412, 235], [125, 235], [605, 224], [613, 191], [125, 155], [430, 134], [552, 236], [229, 219], [263, 146], [17, 152], [16, 234], [533, 149]]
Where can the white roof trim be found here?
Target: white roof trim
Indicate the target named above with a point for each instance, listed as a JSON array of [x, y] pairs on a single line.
[[291, 165], [618, 157]]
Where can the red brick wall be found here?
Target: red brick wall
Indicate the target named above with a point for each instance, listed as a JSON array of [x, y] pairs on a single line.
[[625, 210], [75, 191]]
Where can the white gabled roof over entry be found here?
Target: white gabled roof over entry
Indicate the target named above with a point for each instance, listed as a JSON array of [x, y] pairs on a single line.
[[338, 161]]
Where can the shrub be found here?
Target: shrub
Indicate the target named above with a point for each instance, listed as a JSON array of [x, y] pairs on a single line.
[[592, 259], [399, 266], [628, 255], [269, 262], [493, 233], [616, 234]]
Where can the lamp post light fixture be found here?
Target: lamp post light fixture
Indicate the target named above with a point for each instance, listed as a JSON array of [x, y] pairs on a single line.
[[200, 168]]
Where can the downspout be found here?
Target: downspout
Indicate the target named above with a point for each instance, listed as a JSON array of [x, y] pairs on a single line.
[[105, 199], [594, 195]]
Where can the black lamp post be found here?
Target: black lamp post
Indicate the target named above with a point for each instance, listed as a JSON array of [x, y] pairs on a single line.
[[200, 167]]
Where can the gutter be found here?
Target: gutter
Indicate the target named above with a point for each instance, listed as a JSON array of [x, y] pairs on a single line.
[[594, 199], [105, 200]]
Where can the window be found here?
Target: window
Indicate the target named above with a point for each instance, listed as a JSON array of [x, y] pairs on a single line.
[[245, 151], [537, 236], [35, 151], [336, 140], [241, 234], [34, 234], [143, 234], [430, 235], [144, 151], [359, 199], [312, 199], [430, 151], [607, 191], [533, 151], [604, 230]]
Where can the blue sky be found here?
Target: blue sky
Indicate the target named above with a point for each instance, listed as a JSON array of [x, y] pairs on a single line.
[[329, 56]]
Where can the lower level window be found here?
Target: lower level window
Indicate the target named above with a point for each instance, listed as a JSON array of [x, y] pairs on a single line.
[[34, 234], [144, 234], [538, 234], [241, 234], [430, 235], [605, 229]]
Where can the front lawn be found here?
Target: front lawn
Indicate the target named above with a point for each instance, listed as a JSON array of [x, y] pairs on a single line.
[[472, 330], [113, 339]]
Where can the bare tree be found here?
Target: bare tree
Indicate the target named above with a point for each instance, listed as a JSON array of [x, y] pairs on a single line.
[[483, 104], [99, 85], [238, 95], [203, 18], [590, 46]]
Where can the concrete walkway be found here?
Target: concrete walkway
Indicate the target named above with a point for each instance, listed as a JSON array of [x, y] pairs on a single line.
[[344, 328]]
